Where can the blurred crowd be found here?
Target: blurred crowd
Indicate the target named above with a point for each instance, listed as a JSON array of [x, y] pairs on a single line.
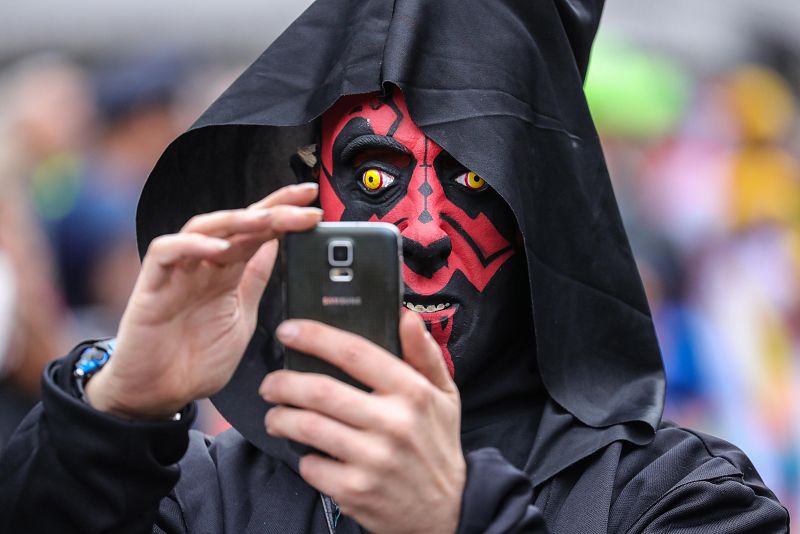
[[705, 167], [76, 145]]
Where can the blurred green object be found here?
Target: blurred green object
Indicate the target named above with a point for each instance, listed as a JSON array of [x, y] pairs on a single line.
[[633, 93], [55, 185]]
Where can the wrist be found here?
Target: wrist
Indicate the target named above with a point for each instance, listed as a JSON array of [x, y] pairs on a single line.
[[104, 395]]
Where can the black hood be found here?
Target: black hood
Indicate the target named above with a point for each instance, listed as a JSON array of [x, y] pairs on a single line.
[[499, 86]]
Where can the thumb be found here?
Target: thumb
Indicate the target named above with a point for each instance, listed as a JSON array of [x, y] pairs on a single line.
[[422, 352], [255, 277]]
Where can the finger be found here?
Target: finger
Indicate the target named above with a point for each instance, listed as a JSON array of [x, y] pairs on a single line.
[[289, 219], [166, 251], [325, 395], [227, 222], [255, 277], [296, 194], [421, 351], [282, 219], [223, 223], [353, 354], [318, 431], [343, 482]]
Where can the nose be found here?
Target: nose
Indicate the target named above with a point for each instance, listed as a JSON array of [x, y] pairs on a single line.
[[425, 260], [426, 244]]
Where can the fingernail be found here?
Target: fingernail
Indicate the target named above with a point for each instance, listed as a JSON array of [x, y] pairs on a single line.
[[266, 419], [287, 330], [310, 212], [308, 185], [218, 243], [264, 389], [257, 214]]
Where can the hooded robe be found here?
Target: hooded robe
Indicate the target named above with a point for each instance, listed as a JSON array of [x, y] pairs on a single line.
[[499, 86]]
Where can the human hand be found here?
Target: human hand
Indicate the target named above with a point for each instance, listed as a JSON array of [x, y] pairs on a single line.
[[397, 463], [194, 306]]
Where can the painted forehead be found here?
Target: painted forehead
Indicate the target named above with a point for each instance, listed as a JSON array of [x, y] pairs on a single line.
[[384, 116]]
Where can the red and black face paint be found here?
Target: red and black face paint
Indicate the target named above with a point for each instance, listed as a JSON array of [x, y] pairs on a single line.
[[458, 234]]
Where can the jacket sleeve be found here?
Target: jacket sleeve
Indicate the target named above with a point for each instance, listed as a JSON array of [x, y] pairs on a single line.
[[498, 498], [69, 468], [726, 505], [695, 483]]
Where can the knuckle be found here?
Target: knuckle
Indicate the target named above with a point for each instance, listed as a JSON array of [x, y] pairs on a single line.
[[318, 395], [401, 427], [384, 459], [307, 427], [192, 222], [158, 244], [358, 487], [281, 215], [350, 353], [421, 396]]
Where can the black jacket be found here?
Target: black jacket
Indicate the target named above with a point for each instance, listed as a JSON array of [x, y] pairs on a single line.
[[72, 469]]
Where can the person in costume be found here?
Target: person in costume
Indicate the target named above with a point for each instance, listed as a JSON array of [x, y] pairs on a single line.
[[530, 403]]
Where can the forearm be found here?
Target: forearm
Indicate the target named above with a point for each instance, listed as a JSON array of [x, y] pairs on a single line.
[[70, 468]]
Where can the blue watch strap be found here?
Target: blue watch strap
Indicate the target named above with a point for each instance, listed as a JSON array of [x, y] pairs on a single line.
[[92, 359]]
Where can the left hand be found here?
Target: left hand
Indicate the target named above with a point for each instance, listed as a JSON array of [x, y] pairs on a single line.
[[398, 463]]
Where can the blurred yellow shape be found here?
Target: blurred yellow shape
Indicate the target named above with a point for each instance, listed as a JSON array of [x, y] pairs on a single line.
[[762, 102], [765, 187]]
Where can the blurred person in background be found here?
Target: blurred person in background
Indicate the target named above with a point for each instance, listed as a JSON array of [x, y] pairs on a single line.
[[45, 116], [711, 186], [92, 229], [746, 285]]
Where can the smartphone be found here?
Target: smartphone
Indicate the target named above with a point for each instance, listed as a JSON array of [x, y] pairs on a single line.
[[347, 275]]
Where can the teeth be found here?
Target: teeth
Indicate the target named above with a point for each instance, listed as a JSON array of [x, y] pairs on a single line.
[[428, 309]]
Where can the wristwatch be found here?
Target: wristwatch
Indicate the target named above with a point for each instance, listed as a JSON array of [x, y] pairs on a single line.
[[92, 359]]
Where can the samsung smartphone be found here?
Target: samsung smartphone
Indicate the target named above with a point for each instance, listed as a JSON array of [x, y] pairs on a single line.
[[347, 275]]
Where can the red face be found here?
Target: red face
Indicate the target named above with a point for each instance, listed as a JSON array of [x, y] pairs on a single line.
[[377, 165]]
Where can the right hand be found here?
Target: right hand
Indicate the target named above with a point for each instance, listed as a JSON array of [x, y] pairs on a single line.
[[194, 307]]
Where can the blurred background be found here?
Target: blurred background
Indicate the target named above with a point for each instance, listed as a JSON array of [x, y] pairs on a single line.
[[696, 104]]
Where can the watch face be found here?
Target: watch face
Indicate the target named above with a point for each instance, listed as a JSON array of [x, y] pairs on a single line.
[[92, 359]]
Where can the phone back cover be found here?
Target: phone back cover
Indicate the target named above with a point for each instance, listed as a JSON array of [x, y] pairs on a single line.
[[368, 305]]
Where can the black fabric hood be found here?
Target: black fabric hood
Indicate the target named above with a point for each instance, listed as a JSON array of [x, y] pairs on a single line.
[[499, 86]]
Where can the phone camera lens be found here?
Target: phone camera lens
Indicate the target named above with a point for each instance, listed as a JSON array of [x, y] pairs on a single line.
[[340, 253]]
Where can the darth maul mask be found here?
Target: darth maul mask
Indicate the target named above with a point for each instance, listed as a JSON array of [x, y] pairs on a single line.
[[463, 268]]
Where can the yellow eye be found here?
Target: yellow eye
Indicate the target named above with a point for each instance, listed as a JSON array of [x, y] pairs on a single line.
[[374, 179], [471, 181]]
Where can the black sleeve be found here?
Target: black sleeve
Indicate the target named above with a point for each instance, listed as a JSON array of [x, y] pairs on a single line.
[[724, 506], [687, 481], [498, 498], [69, 468], [170, 518]]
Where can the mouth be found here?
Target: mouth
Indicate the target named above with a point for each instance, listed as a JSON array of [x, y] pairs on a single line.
[[437, 311], [432, 308], [426, 308]]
